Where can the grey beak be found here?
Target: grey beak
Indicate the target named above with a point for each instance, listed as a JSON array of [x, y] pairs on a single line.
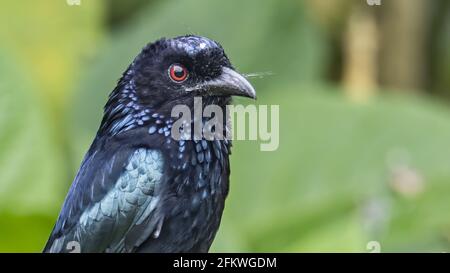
[[229, 83]]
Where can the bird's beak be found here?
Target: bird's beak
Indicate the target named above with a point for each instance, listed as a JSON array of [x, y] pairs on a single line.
[[230, 83]]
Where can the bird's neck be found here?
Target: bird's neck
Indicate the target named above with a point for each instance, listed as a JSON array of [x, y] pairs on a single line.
[[191, 157], [123, 111]]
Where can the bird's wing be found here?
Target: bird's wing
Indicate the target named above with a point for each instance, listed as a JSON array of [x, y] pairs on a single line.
[[111, 204]]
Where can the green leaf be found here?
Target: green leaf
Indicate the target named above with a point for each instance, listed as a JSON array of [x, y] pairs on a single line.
[[31, 169]]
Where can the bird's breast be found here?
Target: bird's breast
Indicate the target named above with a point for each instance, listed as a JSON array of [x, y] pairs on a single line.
[[196, 195]]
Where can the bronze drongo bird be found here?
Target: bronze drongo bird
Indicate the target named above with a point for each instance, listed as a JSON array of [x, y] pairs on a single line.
[[138, 188]]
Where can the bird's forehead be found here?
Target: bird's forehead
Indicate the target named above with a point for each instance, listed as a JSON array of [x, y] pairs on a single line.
[[193, 45]]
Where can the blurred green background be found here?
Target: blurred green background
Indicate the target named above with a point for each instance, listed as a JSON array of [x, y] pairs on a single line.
[[363, 91]]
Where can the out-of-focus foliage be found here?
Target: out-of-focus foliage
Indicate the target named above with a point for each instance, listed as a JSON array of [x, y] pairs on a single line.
[[42, 47], [331, 185], [344, 174], [30, 164], [50, 39]]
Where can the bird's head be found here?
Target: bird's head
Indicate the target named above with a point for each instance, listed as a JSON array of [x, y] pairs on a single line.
[[173, 71], [187, 66]]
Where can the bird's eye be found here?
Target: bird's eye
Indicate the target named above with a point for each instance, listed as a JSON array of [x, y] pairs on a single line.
[[178, 73]]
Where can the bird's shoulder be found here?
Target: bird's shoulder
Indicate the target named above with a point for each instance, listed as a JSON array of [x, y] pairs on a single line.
[[116, 179]]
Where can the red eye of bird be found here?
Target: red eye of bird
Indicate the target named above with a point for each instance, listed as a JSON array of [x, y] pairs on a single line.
[[178, 73]]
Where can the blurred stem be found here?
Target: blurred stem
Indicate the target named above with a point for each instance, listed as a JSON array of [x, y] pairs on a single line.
[[360, 50], [439, 48], [404, 27]]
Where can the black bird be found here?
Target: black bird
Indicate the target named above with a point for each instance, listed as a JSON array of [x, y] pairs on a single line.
[[138, 188]]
